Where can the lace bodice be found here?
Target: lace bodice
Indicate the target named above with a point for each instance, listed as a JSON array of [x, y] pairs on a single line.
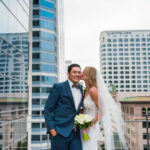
[[89, 106]]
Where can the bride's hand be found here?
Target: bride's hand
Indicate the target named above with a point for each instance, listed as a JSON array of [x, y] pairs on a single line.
[[85, 130], [94, 121]]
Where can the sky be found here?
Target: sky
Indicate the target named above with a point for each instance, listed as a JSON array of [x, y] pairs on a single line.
[[84, 20]]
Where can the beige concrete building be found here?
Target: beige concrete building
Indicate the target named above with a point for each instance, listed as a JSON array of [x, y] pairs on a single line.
[[13, 122], [134, 110]]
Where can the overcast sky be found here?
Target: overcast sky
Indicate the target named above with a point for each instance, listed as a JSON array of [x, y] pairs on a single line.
[[84, 20]]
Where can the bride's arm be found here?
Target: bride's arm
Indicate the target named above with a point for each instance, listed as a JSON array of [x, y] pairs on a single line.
[[94, 96]]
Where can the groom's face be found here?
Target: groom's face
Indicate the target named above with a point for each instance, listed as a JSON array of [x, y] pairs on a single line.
[[75, 74]]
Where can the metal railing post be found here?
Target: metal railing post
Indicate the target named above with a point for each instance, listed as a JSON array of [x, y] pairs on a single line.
[[147, 137], [48, 142]]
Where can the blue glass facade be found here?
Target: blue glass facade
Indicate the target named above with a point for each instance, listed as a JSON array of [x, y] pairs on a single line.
[[44, 65], [14, 62], [14, 49]]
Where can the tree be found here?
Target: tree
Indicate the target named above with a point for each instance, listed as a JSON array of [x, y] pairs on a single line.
[[22, 145]]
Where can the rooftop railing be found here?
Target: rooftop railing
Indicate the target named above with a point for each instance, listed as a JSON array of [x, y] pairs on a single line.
[[14, 133]]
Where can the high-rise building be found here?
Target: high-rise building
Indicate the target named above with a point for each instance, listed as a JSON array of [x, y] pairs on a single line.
[[47, 58], [14, 24], [125, 59], [14, 62], [13, 88], [44, 26]]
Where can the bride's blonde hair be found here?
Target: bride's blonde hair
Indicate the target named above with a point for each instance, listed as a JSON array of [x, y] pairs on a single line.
[[90, 73]]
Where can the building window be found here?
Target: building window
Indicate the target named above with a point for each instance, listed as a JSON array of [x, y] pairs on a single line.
[[36, 23], [137, 40], [36, 33], [36, 125], [108, 40], [1, 136], [127, 110], [144, 124], [35, 90], [143, 111], [36, 12], [35, 67], [121, 81], [44, 137], [145, 147], [131, 39], [145, 136], [43, 101], [148, 111], [36, 44], [43, 125], [35, 113], [35, 55], [143, 39], [125, 40], [35, 138], [120, 40], [45, 89], [35, 1], [36, 78], [114, 40], [35, 101], [132, 110], [11, 135]]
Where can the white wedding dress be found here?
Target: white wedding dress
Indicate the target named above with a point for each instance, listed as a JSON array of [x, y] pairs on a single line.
[[94, 132]]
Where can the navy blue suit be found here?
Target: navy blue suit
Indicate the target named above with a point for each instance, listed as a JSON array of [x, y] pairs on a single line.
[[59, 114]]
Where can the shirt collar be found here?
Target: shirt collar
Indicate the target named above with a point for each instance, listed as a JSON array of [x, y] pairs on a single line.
[[70, 83]]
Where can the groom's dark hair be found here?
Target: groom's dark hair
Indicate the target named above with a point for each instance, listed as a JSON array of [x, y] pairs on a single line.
[[73, 65]]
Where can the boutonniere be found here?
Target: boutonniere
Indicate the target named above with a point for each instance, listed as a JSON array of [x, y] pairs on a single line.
[[83, 89]]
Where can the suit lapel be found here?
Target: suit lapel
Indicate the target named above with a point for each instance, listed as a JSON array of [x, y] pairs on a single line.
[[67, 86], [81, 102]]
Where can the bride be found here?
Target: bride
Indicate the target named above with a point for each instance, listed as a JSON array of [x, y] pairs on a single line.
[[99, 104]]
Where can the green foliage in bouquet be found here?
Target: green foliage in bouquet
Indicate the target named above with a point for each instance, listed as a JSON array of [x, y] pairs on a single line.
[[103, 146], [83, 126]]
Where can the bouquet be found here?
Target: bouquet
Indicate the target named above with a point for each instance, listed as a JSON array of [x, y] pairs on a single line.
[[83, 121]]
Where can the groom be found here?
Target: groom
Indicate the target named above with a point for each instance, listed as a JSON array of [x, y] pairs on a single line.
[[64, 102]]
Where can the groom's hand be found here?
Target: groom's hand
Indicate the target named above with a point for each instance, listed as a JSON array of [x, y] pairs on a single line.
[[53, 132]]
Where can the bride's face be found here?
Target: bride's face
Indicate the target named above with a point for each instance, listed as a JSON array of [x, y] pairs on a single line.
[[83, 76]]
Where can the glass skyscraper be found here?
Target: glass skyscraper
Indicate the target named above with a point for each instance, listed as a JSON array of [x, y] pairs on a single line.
[[47, 58], [31, 60], [14, 62], [125, 59], [14, 48]]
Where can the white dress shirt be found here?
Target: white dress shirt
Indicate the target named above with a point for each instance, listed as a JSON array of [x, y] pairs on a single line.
[[76, 93]]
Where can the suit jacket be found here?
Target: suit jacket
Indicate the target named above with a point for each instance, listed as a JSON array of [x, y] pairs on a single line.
[[60, 109]]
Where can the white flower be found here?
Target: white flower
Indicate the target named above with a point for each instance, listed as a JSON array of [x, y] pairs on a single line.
[[83, 118], [87, 118]]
